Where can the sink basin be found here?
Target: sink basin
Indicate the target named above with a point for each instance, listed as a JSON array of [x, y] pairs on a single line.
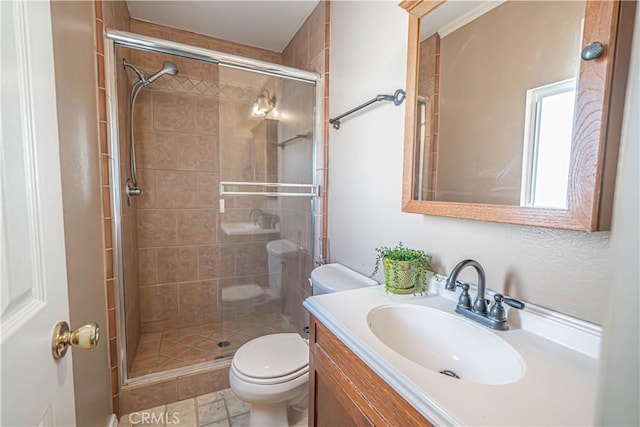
[[444, 342]]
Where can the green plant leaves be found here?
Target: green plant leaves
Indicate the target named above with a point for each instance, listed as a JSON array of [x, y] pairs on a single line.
[[419, 260]]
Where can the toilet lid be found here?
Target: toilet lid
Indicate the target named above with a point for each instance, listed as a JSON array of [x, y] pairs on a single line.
[[272, 356]]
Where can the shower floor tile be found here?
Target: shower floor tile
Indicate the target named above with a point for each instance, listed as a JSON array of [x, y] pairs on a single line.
[[176, 348]]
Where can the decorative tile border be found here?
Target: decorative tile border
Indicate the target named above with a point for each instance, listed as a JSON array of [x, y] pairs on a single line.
[[207, 88]]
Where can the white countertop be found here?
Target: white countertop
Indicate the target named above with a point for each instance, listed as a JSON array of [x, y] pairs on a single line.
[[558, 386]]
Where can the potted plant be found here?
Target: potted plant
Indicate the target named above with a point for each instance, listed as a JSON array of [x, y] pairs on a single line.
[[405, 270]]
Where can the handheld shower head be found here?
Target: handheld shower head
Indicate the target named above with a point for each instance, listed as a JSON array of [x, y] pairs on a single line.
[[168, 67]]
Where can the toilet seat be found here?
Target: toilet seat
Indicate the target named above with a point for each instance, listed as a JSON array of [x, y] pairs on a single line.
[[272, 359], [270, 381]]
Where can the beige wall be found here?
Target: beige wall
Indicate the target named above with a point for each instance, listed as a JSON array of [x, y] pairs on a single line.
[[619, 375], [73, 35], [487, 66]]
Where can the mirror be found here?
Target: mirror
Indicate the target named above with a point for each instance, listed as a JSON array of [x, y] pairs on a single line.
[[505, 121], [505, 91]]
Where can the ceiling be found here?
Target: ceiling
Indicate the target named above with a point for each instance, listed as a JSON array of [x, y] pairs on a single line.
[[265, 24]]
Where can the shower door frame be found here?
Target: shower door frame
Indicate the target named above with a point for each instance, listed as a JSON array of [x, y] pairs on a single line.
[[114, 38]]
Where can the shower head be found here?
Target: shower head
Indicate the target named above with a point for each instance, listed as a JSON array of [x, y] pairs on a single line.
[[168, 67]]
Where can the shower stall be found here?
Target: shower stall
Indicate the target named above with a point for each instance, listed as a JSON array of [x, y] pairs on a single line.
[[214, 198]]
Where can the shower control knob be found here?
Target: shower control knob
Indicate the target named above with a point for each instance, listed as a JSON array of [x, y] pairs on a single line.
[[131, 191], [134, 192]]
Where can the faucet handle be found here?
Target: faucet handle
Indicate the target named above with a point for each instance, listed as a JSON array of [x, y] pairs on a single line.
[[497, 311], [511, 302], [464, 300]]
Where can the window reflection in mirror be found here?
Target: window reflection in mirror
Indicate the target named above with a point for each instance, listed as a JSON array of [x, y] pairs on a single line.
[[547, 144], [476, 141]]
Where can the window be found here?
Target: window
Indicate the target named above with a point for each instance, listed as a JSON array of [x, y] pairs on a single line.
[[547, 144]]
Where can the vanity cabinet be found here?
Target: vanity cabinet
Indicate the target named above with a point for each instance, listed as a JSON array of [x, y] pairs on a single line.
[[343, 391]]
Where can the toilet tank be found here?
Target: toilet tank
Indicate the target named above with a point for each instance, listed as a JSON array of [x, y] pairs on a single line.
[[335, 277]]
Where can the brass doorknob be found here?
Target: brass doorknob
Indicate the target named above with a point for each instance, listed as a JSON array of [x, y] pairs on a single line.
[[86, 336]]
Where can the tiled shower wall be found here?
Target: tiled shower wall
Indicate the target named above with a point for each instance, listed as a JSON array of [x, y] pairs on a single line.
[[308, 50], [236, 260], [247, 148], [176, 133], [187, 37], [184, 256], [129, 215]]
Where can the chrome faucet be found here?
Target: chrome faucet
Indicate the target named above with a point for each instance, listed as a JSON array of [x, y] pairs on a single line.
[[494, 318], [480, 304]]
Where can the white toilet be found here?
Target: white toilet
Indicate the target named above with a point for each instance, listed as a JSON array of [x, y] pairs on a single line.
[[272, 372]]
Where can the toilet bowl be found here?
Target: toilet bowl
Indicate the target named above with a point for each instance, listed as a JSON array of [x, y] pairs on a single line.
[[272, 372]]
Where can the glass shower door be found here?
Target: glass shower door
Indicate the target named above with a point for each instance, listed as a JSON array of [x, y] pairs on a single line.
[[266, 197], [203, 272]]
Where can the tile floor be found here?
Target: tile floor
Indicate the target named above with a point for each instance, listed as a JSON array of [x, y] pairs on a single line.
[[176, 348], [218, 409]]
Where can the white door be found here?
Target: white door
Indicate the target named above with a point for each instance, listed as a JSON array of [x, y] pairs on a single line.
[[36, 389]]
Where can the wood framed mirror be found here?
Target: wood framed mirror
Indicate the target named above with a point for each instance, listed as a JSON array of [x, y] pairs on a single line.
[[505, 121]]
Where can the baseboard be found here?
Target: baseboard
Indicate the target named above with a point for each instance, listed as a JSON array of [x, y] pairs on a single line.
[[113, 421], [151, 392]]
